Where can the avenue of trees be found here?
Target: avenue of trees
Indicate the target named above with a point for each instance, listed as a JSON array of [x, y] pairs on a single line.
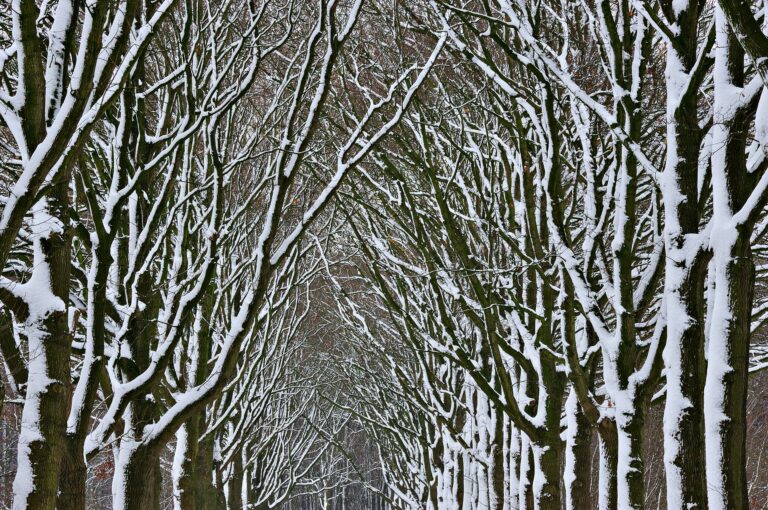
[[383, 254]]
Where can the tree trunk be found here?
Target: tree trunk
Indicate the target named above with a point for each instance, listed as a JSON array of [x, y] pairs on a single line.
[[685, 273], [192, 479], [205, 492], [460, 478], [550, 449], [513, 464], [578, 456], [498, 476], [235, 484], [74, 471], [609, 446], [548, 467], [73, 478], [727, 379], [45, 323], [631, 468], [728, 354], [137, 478], [185, 467], [219, 498]]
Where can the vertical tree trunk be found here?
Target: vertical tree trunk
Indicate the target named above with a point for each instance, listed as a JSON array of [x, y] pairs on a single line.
[[727, 379], [219, 497], [547, 489], [685, 273], [631, 467], [527, 472], [41, 439], [551, 448], [460, 478], [235, 484], [578, 456], [73, 478], [513, 464], [185, 467], [204, 490], [43, 425], [137, 478], [498, 476], [192, 478], [728, 354], [609, 445]]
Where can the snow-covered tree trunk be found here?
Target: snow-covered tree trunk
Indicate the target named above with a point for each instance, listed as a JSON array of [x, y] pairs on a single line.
[[686, 264], [620, 358], [193, 459], [185, 467], [525, 495], [608, 466], [43, 313], [578, 456], [66, 76], [193, 466], [734, 275], [580, 423], [40, 304], [205, 493], [512, 466], [549, 450], [748, 31], [193, 476], [498, 475], [137, 479], [136, 482]]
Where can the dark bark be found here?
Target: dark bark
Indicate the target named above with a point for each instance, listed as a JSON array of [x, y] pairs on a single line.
[[11, 353], [735, 268], [72, 493], [46, 453], [684, 216], [188, 483], [141, 469], [749, 33], [551, 457], [459, 478], [195, 479], [73, 477], [142, 479], [609, 449], [527, 479], [235, 484], [631, 431], [581, 449], [204, 490], [740, 275]]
